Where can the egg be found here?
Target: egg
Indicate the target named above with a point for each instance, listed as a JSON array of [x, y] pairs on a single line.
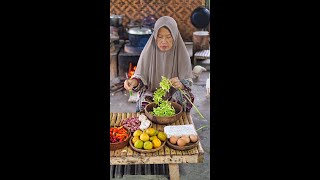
[[193, 138], [186, 138], [173, 140], [181, 142]]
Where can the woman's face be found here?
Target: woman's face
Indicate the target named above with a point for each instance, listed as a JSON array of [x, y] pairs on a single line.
[[164, 39]]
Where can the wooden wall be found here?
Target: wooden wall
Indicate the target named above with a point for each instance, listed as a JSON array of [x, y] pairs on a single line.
[[180, 10]]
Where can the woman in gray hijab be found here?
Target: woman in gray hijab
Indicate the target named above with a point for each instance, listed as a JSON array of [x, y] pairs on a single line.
[[165, 54]]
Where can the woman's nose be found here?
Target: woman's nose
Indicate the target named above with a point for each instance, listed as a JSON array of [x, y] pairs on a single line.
[[164, 40]]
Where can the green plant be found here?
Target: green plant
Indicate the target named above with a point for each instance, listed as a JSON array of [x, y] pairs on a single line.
[[164, 106]]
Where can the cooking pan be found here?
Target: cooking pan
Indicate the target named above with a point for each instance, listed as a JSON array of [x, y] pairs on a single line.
[[200, 17]]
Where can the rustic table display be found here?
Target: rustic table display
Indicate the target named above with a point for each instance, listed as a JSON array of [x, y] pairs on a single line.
[[165, 154]]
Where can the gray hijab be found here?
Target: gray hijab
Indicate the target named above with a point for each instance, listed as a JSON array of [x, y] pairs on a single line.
[[153, 63]]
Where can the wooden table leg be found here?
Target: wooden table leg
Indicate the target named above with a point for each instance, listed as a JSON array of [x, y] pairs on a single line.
[[174, 172]]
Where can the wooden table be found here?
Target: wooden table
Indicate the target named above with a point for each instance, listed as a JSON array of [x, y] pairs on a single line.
[[173, 158]]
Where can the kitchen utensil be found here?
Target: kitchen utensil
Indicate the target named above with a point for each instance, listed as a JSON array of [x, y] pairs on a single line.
[[139, 36], [200, 17]]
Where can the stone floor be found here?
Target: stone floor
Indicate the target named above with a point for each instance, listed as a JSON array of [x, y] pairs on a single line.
[[119, 103]]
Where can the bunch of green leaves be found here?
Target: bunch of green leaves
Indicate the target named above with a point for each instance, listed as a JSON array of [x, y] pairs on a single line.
[[158, 96], [165, 84], [161, 92], [164, 109]]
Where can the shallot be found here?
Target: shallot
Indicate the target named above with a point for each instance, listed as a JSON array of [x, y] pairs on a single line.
[[132, 123]]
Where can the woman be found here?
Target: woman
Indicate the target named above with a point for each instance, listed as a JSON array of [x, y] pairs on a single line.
[[165, 54]]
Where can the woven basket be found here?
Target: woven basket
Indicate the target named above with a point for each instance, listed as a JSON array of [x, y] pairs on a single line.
[[120, 145], [182, 148], [146, 151], [163, 120]]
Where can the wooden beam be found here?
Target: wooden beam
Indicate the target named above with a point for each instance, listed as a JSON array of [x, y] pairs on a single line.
[[174, 172], [168, 159]]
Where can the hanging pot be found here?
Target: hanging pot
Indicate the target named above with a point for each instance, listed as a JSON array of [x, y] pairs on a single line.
[[139, 36], [200, 17], [115, 20]]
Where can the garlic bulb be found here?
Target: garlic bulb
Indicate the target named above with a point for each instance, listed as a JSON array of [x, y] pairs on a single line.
[[142, 117]]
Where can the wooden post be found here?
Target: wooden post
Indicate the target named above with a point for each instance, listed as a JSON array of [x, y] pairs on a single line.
[[174, 172], [113, 67]]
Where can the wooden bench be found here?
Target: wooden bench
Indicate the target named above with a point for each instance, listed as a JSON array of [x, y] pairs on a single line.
[[202, 58], [172, 157]]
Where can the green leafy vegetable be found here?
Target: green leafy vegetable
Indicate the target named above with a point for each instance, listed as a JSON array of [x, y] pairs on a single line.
[[157, 95], [164, 109], [164, 106]]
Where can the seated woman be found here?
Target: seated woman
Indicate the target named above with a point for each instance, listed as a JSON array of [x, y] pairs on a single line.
[[165, 54]]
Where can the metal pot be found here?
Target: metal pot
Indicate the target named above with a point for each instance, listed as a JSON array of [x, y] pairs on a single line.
[[200, 17], [133, 24], [149, 21], [115, 20], [139, 36]]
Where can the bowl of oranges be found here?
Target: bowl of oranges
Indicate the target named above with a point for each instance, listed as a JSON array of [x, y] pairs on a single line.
[[149, 140]]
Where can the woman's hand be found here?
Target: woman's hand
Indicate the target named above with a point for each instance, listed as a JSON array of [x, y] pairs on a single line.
[[176, 83], [130, 83]]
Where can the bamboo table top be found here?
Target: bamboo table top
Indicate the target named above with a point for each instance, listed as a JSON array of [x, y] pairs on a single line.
[[165, 155]]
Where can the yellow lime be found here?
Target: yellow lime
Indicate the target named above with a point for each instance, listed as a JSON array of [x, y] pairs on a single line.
[[138, 144], [144, 137], [156, 143], [150, 131], [147, 145], [162, 136], [137, 132], [135, 138], [156, 133], [153, 137]]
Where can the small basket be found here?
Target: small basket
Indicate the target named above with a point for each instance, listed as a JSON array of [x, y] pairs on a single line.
[[146, 151], [163, 120], [186, 147], [120, 145]]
